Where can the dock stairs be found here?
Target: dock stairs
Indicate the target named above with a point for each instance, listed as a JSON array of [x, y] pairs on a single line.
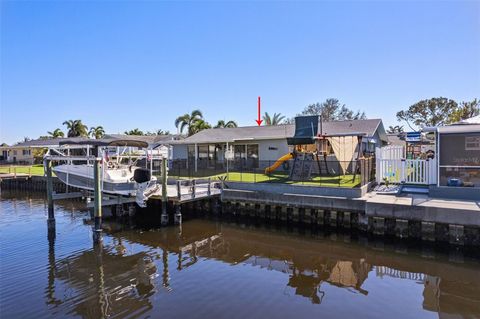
[[302, 167]]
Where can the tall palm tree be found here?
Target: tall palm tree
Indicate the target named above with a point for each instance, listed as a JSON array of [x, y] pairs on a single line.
[[97, 132], [223, 124], [188, 121], [197, 126], [135, 131], [275, 120], [56, 133], [76, 128]]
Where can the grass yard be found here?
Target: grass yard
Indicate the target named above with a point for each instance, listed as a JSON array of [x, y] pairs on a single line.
[[325, 181], [26, 169]]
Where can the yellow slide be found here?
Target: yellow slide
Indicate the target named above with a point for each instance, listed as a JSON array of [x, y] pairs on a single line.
[[279, 162]]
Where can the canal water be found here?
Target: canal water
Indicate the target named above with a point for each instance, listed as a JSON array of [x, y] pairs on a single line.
[[219, 269]]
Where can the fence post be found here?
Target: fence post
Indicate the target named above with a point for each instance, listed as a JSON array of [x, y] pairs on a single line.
[[402, 170], [209, 187]]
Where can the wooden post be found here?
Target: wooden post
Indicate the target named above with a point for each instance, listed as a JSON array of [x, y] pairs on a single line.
[[179, 190], [97, 232], [164, 216], [51, 215], [178, 214], [209, 189], [193, 188]]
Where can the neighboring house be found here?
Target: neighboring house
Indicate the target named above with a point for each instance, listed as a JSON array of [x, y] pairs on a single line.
[[259, 146], [396, 139], [23, 153]]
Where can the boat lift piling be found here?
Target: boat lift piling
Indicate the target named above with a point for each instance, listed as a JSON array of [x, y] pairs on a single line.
[[97, 231], [51, 213], [164, 216]]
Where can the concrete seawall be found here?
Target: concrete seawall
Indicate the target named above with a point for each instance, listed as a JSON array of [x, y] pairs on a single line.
[[416, 216]]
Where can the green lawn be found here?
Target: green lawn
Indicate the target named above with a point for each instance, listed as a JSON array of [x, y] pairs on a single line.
[[26, 169], [326, 181]]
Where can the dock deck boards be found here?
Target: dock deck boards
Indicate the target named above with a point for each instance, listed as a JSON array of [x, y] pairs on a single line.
[[201, 192]]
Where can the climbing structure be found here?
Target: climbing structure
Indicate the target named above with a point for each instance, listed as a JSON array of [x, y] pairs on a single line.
[[302, 167]]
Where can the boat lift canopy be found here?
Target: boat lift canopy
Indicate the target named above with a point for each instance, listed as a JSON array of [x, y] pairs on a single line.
[[106, 142]]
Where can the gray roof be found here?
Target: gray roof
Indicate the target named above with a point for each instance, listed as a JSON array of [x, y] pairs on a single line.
[[395, 139], [44, 142], [222, 135]]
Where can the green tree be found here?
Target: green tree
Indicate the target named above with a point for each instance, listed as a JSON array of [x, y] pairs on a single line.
[[276, 119], [332, 110], [97, 132], [198, 126], [135, 131], [76, 128], [431, 112], [56, 133], [395, 129], [223, 124], [189, 121], [465, 111]]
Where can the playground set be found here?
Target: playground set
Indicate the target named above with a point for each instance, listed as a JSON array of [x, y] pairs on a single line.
[[333, 154]]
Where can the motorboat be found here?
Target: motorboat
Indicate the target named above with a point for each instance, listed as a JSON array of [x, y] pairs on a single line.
[[116, 177]]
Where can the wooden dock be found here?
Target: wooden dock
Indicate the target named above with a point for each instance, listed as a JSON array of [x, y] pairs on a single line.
[[189, 190], [4, 176]]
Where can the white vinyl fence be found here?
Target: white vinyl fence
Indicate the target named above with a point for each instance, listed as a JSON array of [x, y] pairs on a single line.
[[391, 166]]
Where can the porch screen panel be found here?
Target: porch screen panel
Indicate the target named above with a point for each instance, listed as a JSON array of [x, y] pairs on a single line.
[[460, 160], [252, 155]]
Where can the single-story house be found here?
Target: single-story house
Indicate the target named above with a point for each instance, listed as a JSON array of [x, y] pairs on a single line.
[[259, 146], [23, 152]]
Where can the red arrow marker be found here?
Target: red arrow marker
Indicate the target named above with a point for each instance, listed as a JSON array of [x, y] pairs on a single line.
[[259, 121]]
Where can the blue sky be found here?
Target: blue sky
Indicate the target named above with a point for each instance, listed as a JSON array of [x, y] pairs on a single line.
[[138, 64]]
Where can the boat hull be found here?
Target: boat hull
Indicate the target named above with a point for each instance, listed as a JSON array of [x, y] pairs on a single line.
[[86, 182]]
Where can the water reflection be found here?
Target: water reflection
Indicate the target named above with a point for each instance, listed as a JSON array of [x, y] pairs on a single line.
[[448, 288]]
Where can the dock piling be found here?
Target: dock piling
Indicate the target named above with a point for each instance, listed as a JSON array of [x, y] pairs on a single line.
[[51, 214], [164, 216], [97, 231]]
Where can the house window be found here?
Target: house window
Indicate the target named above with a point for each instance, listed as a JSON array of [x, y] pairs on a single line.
[[472, 143], [14, 153], [25, 152]]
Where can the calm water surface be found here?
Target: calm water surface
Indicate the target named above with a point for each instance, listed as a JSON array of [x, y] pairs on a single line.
[[211, 269]]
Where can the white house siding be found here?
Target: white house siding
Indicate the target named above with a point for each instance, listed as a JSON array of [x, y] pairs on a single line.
[[271, 150]]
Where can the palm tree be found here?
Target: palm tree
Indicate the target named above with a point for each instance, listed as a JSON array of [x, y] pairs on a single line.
[[223, 124], [135, 131], [395, 129], [162, 132], [275, 120], [188, 121], [76, 128], [56, 133], [197, 126], [97, 132]]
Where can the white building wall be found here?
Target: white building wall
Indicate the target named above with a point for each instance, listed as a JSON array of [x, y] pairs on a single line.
[[271, 150]]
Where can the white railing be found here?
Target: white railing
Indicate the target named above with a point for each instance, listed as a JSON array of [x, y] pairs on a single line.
[[390, 152], [396, 171]]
